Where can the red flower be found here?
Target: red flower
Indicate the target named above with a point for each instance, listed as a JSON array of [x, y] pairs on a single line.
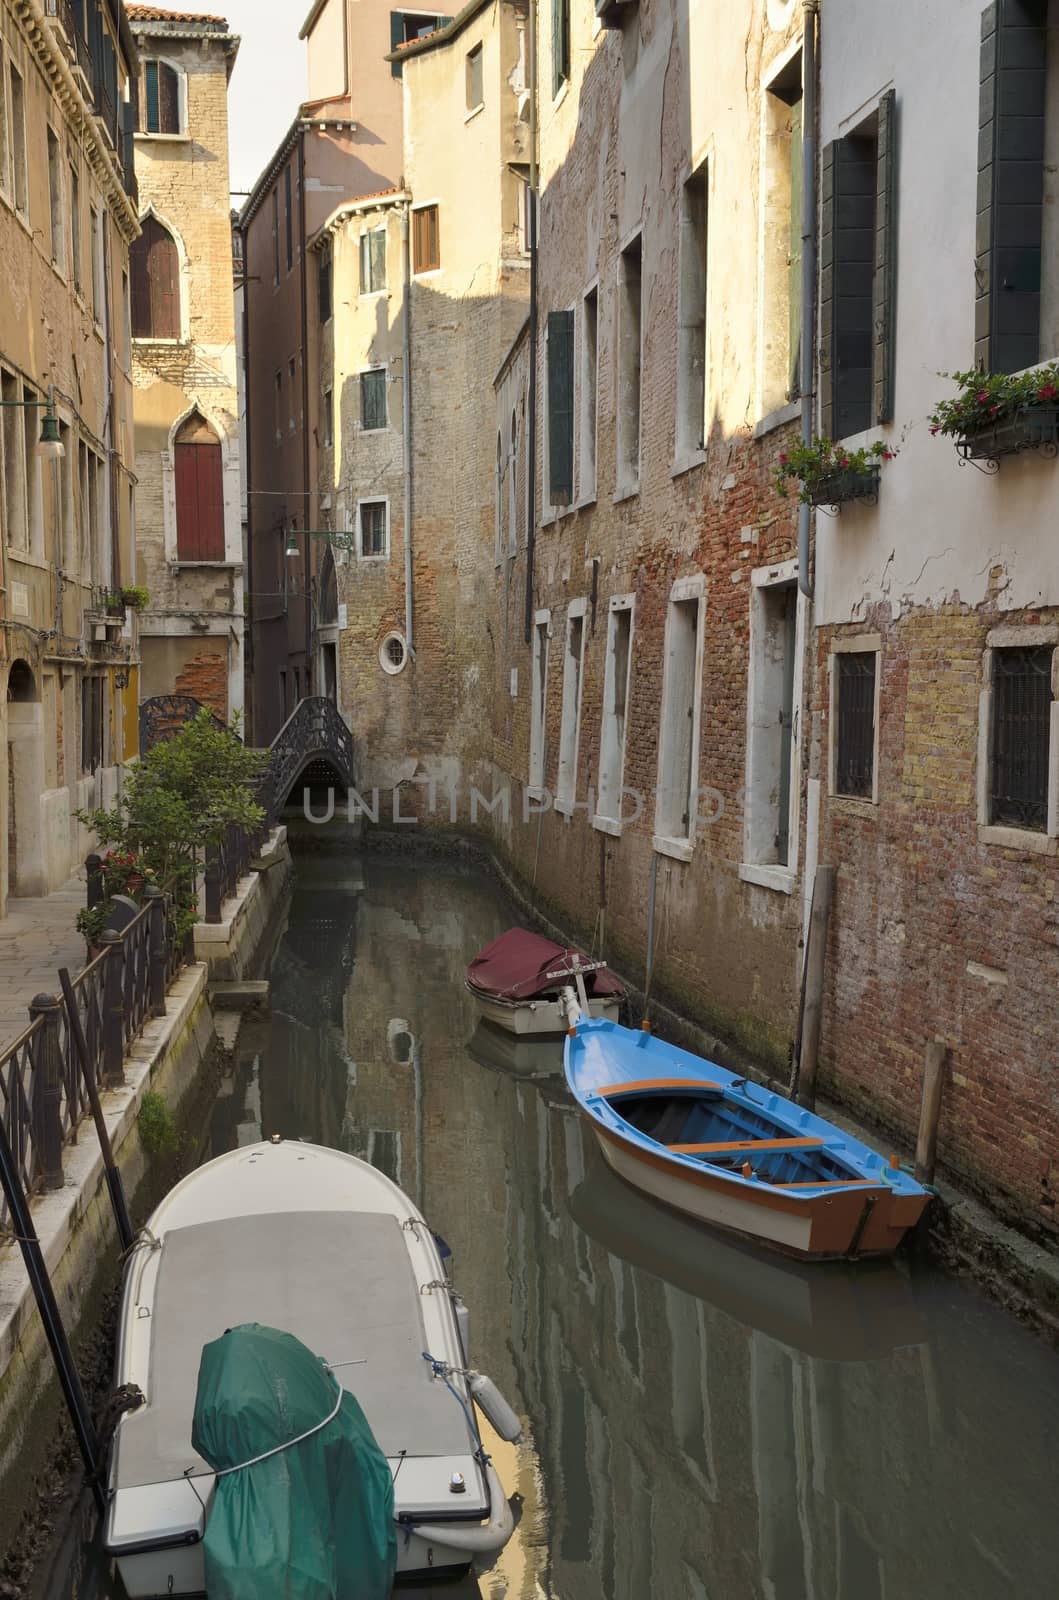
[[1049, 392], [982, 396], [888, 455], [935, 427], [844, 461], [993, 410], [784, 458]]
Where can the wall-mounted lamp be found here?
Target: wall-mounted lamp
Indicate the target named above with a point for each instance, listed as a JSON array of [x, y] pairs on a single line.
[[121, 680], [49, 445], [292, 551]]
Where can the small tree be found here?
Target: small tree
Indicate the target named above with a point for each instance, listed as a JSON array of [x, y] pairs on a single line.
[[180, 799]]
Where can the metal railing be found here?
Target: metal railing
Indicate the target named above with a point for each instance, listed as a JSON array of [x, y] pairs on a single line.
[[43, 1097]]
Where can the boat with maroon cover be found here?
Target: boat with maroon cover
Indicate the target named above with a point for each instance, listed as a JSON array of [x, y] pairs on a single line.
[[518, 980]]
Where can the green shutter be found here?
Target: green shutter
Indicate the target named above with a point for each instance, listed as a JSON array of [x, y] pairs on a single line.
[[396, 38], [827, 292], [794, 279], [884, 288], [150, 72], [560, 407], [1010, 185], [853, 259]]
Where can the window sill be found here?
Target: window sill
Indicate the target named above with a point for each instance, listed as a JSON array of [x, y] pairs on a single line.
[[585, 501], [629, 492], [782, 879], [1025, 839], [611, 825], [777, 419], [26, 559], [537, 792], [149, 338], [687, 462], [427, 272], [372, 294], [234, 563], [848, 805], [678, 849], [560, 94], [377, 560], [162, 138], [475, 111]]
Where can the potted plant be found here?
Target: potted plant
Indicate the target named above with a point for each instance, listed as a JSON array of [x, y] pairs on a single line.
[[114, 604], [829, 474], [135, 597], [996, 414]]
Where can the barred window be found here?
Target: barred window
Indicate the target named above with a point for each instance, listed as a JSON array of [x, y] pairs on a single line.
[[855, 719], [373, 399], [1022, 705]]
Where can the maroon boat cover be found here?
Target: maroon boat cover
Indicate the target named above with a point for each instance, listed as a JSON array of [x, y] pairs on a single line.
[[515, 967]]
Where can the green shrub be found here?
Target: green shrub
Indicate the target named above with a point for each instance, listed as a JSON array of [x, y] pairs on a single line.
[[156, 1125]]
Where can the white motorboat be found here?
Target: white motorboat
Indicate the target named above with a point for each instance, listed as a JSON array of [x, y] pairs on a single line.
[[327, 1248], [518, 981]]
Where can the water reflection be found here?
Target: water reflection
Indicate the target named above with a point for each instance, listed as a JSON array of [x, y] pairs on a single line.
[[704, 1422]]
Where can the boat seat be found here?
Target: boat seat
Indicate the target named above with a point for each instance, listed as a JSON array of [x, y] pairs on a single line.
[[650, 1085], [754, 1146]]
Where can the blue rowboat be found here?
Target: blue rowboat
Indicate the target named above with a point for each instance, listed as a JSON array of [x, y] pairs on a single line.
[[732, 1153]]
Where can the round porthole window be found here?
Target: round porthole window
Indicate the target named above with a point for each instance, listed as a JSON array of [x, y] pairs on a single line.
[[393, 653]]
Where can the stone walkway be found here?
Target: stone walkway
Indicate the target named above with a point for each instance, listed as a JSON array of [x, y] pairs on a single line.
[[37, 937]]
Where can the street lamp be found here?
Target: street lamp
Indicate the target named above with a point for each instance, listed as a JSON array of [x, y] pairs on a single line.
[[292, 551], [49, 446]]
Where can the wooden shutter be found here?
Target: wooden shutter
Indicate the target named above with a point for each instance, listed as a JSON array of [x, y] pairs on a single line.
[[168, 100], [853, 259], [1010, 185], [164, 271], [794, 271], [560, 407], [200, 502], [827, 291], [139, 271], [150, 77], [884, 287], [378, 257]]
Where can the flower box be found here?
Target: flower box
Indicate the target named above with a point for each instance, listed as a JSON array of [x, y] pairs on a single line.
[[839, 487], [1031, 428]]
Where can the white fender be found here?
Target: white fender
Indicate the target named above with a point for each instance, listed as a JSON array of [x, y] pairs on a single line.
[[478, 1538], [494, 1405]]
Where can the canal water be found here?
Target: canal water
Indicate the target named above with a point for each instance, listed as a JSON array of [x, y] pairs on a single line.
[[703, 1422]]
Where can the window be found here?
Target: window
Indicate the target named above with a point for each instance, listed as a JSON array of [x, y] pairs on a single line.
[[288, 211], [560, 44], [199, 492], [512, 488], [159, 98], [1016, 305], [1021, 737], [373, 261], [560, 407], [475, 96], [406, 26], [541, 627], [155, 267], [525, 217], [678, 756], [292, 375], [91, 723], [691, 333], [589, 393], [373, 399], [426, 245], [616, 676], [96, 243], [497, 543], [570, 724], [14, 462], [323, 282], [855, 675], [277, 397], [55, 202], [770, 717], [327, 418], [782, 200], [75, 228], [5, 138], [19, 170], [857, 259], [629, 358], [374, 527], [126, 321], [275, 235]]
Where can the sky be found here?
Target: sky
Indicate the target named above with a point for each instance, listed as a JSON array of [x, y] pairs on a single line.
[[268, 83]]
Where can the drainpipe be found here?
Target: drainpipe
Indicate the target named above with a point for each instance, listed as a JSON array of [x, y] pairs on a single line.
[[531, 434], [249, 613], [811, 12], [406, 411], [302, 237]]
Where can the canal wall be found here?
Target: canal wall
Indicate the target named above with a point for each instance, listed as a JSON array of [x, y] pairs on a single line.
[[173, 1058]]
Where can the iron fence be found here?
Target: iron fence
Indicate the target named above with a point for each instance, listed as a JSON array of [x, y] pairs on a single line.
[[43, 1097]]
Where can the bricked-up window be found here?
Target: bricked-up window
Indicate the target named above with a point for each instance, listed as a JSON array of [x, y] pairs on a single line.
[[91, 724], [199, 492], [55, 202], [475, 90], [426, 242], [155, 268], [681, 710], [159, 98], [374, 530], [855, 723], [373, 261], [560, 44], [570, 724], [782, 228], [1022, 709], [630, 289], [17, 113], [615, 707], [373, 399], [323, 282], [539, 690], [770, 722]]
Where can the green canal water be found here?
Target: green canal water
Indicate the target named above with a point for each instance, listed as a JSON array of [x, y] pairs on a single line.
[[702, 1422]]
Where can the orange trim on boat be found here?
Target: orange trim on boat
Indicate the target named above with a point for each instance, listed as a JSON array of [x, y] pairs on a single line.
[[827, 1183], [638, 1085], [753, 1145]]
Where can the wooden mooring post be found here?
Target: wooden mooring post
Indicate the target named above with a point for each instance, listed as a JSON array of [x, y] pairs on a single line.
[[808, 1043], [930, 1111]]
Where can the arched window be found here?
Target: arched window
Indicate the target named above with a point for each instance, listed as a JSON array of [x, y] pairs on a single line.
[[155, 283], [159, 98], [199, 492]]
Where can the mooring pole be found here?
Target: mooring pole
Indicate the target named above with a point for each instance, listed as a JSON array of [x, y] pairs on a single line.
[[110, 1166], [815, 960], [33, 1256], [930, 1111]]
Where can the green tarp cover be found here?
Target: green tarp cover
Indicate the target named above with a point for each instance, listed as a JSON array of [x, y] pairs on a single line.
[[314, 1522]]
